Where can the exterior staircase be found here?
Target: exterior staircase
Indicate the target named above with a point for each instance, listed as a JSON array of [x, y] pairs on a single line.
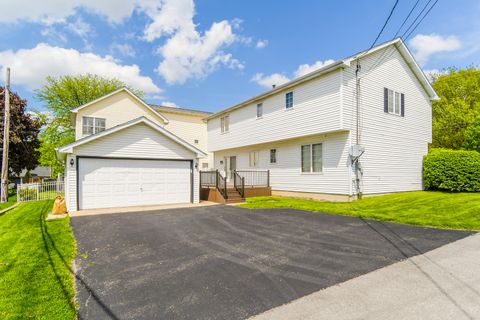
[[233, 196]]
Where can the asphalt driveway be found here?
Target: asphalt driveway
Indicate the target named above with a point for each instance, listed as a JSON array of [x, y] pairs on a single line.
[[224, 262]]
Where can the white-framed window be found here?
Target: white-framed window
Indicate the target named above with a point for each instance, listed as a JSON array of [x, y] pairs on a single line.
[[92, 125], [289, 100], [394, 102], [253, 158], [312, 158], [273, 156], [195, 141], [224, 123], [259, 110]]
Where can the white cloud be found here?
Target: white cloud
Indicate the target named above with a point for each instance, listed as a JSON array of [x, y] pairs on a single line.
[[80, 28], [261, 44], [270, 80], [304, 69], [187, 53], [169, 104], [53, 11], [31, 66], [278, 78], [425, 45], [123, 48]]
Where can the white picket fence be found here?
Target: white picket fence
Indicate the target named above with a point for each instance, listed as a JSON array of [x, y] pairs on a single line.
[[40, 191]]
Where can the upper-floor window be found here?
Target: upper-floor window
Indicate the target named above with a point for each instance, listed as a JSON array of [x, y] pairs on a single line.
[[273, 155], [92, 125], [312, 158], [289, 100], [224, 123], [394, 102], [259, 110]]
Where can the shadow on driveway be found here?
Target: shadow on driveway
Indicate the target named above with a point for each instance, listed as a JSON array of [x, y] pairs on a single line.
[[224, 262]]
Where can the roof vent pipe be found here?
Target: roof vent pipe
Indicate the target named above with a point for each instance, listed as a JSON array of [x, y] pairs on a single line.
[[273, 86]]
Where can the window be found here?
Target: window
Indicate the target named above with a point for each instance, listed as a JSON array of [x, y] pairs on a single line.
[[92, 125], [259, 110], [289, 100], [195, 141], [312, 158], [224, 123], [273, 155], [205, 165], [394, 102], [253, 158]]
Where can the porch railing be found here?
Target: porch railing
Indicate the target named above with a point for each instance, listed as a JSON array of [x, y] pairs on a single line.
[[214, 179], [255, 178], [40, 191], [239, 183]]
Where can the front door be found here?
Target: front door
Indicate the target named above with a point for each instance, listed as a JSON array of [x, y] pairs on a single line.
[[232, 166]]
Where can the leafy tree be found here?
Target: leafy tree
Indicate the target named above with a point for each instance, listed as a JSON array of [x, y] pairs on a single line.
[[23, 137], [61, 95], [458, 107], [472, 136]]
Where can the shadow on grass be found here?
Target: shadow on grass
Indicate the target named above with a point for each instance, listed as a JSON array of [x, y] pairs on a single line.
[[49, 244]]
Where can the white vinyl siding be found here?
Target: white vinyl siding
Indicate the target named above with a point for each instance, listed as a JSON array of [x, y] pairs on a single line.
[[287, 174], [140, 142], [394, 146], [316, 110]]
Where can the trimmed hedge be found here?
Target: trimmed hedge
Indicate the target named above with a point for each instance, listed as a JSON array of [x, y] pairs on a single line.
[[451, 170]]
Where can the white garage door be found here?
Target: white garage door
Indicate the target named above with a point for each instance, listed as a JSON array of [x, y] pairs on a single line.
[[110, 183]]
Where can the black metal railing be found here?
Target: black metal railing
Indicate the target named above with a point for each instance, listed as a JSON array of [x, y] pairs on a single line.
[[214, 179], [255, 178], [208, 178], [222, 185], [239, 183]]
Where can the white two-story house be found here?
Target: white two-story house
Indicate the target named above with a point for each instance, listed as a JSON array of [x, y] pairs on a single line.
[[129, 153], [360, 125]]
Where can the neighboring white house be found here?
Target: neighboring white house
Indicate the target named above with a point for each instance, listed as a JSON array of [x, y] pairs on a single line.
[[361, 124], [129, 153]]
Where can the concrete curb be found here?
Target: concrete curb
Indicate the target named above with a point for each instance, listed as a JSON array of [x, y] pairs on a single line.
[[9, 208]]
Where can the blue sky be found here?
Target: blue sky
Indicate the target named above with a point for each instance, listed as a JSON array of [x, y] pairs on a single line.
[[211, 54]]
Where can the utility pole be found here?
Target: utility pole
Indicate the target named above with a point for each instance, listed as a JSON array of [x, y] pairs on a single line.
[[6, 138]]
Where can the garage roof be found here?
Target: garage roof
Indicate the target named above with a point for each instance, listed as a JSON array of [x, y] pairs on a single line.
[[62, 151]]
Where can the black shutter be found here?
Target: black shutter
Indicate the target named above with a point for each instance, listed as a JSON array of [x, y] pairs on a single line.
[[402, 105], [385, 100]]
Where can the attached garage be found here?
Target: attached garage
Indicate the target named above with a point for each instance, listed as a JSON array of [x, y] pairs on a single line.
[[107, 183], [138, 163]]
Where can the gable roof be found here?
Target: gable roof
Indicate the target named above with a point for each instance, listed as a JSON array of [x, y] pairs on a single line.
[[69, 147], [124, 89], [398, 43]]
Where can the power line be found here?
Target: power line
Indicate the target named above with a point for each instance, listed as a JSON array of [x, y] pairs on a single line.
[[406, 19], [424, 16], [416, 18], [383, 27]]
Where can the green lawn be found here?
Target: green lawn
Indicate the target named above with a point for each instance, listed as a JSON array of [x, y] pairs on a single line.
[[35, 261], [12, 199], [424, 208]]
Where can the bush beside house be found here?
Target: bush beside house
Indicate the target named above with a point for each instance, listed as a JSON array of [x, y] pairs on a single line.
[[452, 170]]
